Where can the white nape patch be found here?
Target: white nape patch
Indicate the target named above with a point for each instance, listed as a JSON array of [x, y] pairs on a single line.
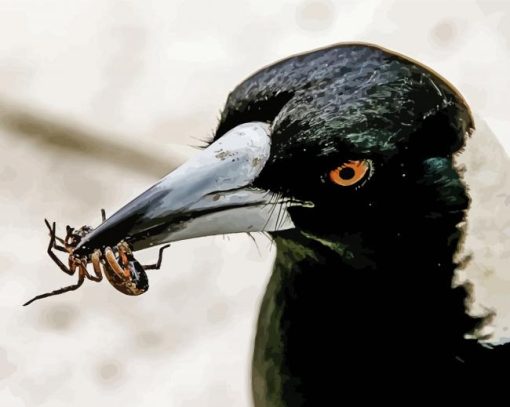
[[488, 222]]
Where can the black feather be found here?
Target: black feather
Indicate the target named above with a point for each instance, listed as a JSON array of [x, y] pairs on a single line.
[[362, 293]]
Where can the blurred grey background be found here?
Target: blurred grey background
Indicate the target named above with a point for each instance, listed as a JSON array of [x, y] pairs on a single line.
[[100, 98]]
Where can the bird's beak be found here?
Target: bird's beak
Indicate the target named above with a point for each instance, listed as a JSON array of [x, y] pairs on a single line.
[[210, 194]]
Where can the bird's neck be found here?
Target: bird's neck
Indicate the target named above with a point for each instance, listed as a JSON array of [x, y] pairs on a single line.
[[398, 277], [360, 303]]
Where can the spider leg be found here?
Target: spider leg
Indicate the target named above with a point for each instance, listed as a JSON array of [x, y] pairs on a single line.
[[81, 278], [55, 245], [60, 248], [157, 265], [54, 256], [68, 240], [114, 264], [123, 250], [96, 264]]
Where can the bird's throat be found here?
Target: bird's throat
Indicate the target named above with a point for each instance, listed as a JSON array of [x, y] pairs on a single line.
[[332, 305]]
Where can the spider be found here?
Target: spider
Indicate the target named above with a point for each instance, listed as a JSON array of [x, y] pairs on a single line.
[[119, 266]]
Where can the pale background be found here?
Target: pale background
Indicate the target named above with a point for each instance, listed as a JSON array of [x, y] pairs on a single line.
[[95, 97]]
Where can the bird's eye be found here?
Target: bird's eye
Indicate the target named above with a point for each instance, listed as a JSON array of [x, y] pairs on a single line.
[[350, 173]]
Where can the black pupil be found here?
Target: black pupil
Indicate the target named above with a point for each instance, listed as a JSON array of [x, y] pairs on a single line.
[[347, 173]]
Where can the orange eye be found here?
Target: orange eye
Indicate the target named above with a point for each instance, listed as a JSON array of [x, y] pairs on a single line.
[[350, 173]]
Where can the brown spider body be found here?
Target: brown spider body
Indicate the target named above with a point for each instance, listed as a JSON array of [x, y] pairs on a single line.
[[124, 272], [119, 265]]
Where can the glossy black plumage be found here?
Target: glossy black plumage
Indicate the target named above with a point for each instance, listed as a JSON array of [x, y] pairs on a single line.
[[361, 301]]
